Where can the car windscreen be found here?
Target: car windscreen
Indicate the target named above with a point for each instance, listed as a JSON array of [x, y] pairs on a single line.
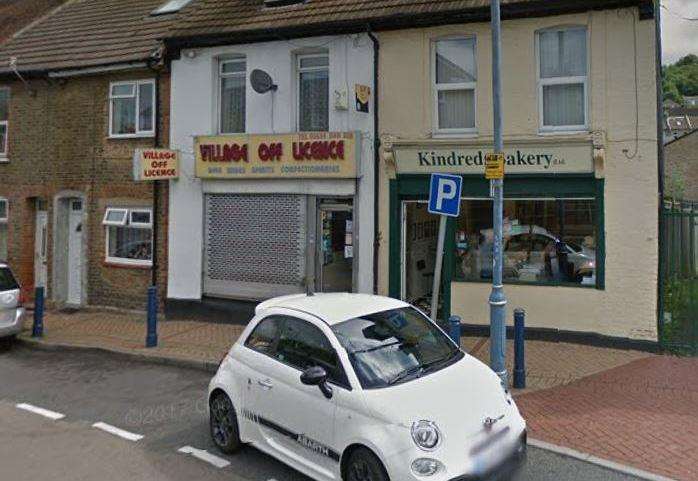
[[7, 280], [394, 346]]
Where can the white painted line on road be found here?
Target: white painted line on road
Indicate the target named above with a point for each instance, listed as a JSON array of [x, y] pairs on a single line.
[[117, 432], [41, 411], [604, 463], [204, 455]]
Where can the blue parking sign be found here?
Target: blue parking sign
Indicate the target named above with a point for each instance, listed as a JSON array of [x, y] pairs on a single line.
[[444, 194]]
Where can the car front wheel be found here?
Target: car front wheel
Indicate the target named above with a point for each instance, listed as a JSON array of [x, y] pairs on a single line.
[[363, 465], [224, 423]]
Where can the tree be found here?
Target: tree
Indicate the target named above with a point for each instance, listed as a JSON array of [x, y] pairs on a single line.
[[681, 78]]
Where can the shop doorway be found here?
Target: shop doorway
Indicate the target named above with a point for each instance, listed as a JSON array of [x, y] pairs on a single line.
[[418, 254], [335, 256], [40, 244]]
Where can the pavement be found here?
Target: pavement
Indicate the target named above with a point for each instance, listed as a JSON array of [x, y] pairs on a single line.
[[165, 405], [628, 407]]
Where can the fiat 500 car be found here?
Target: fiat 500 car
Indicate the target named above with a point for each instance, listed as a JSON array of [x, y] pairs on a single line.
[[357, 387]]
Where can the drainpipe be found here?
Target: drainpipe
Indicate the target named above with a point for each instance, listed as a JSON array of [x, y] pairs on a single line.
[[376, 161], [156, 183], [660, 166]]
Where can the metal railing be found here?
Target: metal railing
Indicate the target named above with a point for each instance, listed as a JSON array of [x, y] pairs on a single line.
[[678, 322]]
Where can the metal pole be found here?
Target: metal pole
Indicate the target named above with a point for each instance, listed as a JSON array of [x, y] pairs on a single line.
[[151, 338], [38, 327], [519, 349], [437, 268], [497, 299], [454, 328]]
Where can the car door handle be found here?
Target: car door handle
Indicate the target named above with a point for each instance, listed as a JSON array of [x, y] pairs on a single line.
[[265, 383]]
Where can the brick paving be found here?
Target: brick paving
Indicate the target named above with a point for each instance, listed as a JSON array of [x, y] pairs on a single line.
[[643, 414]]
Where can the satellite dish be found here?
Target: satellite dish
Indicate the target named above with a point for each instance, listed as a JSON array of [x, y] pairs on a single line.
[[262, 81]]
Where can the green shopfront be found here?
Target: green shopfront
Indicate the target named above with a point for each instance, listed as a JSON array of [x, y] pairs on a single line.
[[554, 246]]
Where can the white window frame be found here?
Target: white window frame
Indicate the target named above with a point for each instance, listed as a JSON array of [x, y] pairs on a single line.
[[124, 223], [136, 95], [436, 88], [144, 225], [6, 124], [4, 220], [221, 76], [299, 71], [544, 82]]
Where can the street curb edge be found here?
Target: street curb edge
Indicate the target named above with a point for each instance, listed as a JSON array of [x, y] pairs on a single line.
[[604, 463], [206, 366]]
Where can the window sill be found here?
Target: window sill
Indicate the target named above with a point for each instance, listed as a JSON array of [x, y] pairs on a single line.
[[127, 265], [563, 131], [4, 159], [150, 135], [534, 284], [464, 134]]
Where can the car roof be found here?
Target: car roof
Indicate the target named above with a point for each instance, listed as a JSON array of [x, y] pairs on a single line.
[[333, 308]]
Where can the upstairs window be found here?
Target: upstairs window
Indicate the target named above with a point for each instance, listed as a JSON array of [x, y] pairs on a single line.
[[132, 109], [455, 77], [313, 93], [129, 236], [562, 84], [3, 229], [233, 79], [4, 118]]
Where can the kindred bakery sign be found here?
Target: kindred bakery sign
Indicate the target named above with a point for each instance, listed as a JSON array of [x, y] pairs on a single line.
[[526, 158], [299, 155]]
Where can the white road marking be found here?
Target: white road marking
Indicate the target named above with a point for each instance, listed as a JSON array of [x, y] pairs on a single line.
[[117, 432], [204, 455], [41, 411]]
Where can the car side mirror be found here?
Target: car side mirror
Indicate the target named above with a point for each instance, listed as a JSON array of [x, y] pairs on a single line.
[[317, 376]]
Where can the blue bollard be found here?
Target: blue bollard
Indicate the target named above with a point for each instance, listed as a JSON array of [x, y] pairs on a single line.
[[454, 328], [151, 339], [38, 327], [519, 355]]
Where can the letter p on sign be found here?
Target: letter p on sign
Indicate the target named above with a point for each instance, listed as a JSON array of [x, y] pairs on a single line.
[[444, 194]]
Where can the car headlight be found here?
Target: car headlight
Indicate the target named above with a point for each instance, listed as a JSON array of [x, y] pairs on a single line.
[[426, 435], [426, 466]]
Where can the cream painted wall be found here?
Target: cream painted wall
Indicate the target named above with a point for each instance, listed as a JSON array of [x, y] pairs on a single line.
[[627, 306]]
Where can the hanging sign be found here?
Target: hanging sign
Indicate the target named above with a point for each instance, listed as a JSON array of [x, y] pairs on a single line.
[[494, 166], [155, 164], [299, 155]]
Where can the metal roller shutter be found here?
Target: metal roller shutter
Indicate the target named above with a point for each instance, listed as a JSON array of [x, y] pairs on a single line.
[[255, 245]]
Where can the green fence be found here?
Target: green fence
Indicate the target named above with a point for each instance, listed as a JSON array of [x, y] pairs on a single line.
[[678, 326]]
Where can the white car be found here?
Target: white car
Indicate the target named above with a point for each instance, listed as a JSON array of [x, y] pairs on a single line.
[[357, 387], [12, 313]]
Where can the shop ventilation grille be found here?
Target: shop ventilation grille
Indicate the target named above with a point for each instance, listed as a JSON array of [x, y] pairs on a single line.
[[256, 240]]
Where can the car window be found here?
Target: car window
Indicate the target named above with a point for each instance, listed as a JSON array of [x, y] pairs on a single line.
[[302, 345], [7, 280], [263, 338], [394, 346]]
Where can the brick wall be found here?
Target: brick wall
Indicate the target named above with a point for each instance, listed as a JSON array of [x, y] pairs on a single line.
[[59, 145], [681, 168]]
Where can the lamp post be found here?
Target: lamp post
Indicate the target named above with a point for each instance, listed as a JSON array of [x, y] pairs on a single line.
[[497, 299]]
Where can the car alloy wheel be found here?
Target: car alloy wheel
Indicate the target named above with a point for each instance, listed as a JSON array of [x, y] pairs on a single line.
[[224, 424]]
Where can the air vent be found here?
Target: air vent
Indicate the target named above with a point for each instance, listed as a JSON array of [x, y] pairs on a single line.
[[282, 3]]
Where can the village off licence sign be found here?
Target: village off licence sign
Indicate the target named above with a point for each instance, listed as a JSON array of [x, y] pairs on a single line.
[[525, 158], [155, 164], [298, 155]]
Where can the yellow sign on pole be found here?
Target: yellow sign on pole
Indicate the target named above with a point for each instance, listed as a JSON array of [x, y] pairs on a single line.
[[494, 166]]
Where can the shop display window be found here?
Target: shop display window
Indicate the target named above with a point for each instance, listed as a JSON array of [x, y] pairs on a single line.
[[548, 241]]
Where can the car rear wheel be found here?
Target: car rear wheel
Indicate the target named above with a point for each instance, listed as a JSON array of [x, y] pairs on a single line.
[[224, 423], [363, 465]]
